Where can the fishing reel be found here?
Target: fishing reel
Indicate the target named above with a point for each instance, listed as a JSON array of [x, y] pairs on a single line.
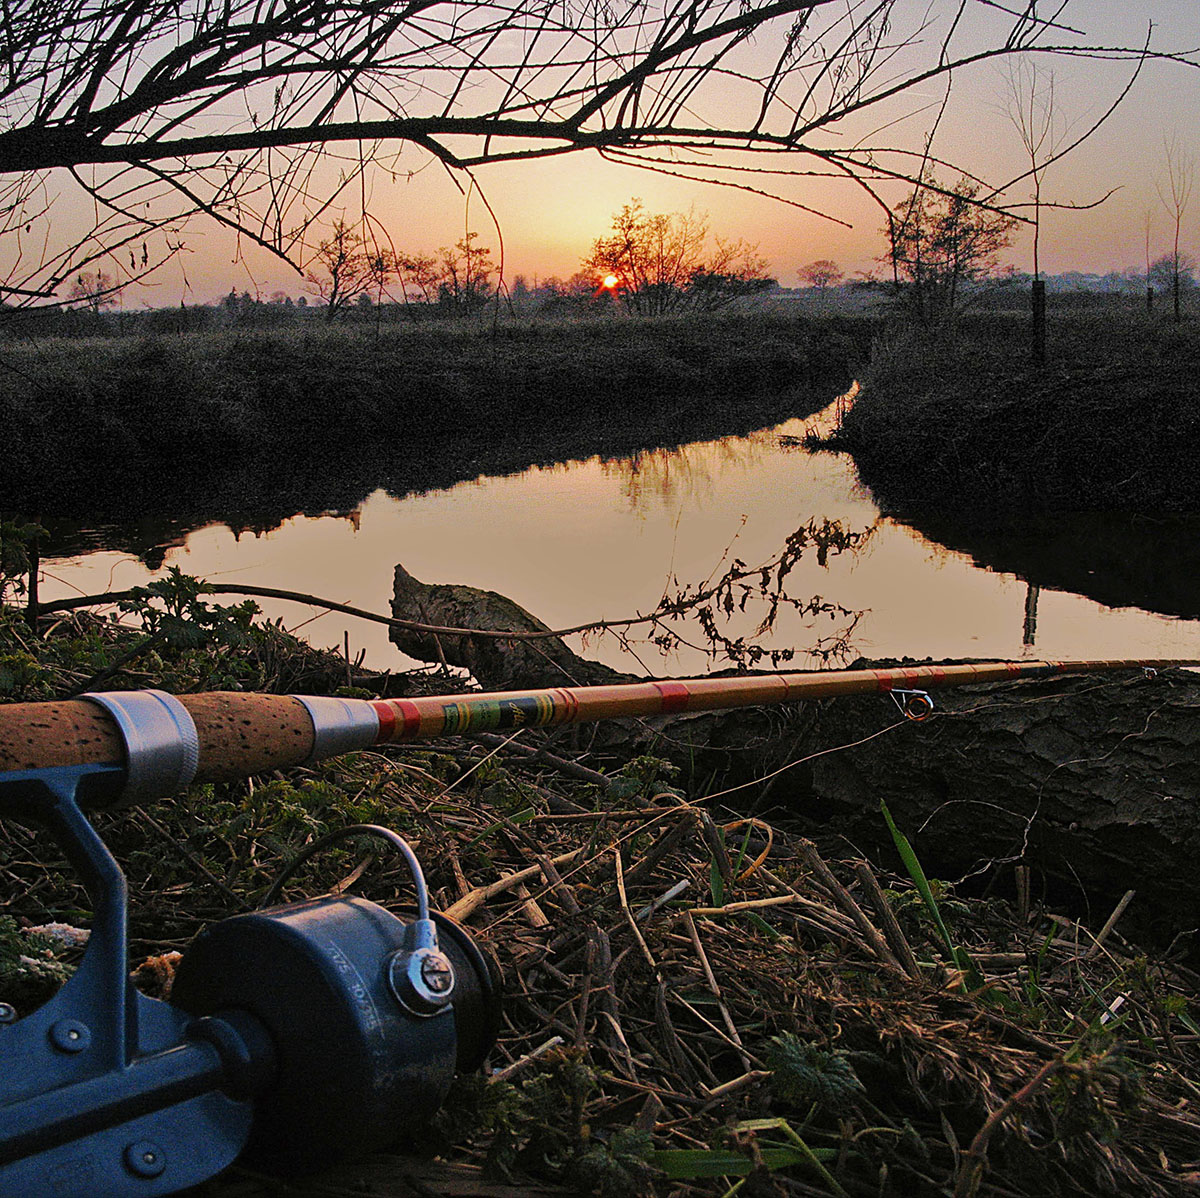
[[295, 1034]]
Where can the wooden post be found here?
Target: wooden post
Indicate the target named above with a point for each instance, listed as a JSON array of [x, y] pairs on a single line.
[[1038, 329]]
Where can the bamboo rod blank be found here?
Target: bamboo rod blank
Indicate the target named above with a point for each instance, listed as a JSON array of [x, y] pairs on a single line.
[[441, 715]]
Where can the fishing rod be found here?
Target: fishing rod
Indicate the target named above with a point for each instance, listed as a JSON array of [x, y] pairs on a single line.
[[295, 1033], [163, 742]]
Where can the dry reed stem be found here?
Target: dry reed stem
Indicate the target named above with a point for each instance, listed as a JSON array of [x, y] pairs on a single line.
[[883, 910], [470, 903], [709, 977], [845, 901]]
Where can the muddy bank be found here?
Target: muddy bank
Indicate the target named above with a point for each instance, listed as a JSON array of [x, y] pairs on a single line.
[[1092, 782], [706, 990], [1120, 559]]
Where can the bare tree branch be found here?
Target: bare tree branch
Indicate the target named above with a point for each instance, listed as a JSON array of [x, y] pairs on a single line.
[[233, 109]]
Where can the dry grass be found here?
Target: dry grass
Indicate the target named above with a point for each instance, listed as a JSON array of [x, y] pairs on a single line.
[[1072, 1070], [696, 1005]]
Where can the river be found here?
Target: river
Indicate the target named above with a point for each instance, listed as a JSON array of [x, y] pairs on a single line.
[[590, 540]]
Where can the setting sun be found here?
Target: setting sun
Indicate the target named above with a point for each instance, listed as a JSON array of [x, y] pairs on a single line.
[[609, 282]]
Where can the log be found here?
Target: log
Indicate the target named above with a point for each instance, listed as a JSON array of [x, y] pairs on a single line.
[[1093, 782], [496, 664]]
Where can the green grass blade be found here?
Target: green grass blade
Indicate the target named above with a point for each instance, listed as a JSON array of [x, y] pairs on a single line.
[[912, 864]]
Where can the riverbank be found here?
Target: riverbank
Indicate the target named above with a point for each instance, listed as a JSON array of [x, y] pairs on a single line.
[[967, 424], [315, 419], [806, 1023]]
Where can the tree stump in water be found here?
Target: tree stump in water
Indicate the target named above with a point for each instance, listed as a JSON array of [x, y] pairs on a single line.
[[495, 663]]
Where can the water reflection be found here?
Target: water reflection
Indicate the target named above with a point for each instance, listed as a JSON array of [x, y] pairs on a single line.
[[1118, 559], [150, 539], [669, 476], [609, 539]]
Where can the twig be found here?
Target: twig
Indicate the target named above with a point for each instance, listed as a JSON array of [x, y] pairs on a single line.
[[673, 838], [629, 919], [1110, 923], [738, 1083], [560, 889], [541, 756], [536, 916], [974, 1161], [502, 1075], [842, 897], [779, 900], [667, 895], [470, 903]]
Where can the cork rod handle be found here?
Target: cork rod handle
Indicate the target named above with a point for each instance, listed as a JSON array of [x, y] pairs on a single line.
[[239, 734]]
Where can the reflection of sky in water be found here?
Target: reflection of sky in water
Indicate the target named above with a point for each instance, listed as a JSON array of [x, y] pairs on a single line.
[[598, 540]]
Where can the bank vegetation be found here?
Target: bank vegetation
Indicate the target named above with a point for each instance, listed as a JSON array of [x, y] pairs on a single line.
[[101, 424], [961, 420], [697, 1003]]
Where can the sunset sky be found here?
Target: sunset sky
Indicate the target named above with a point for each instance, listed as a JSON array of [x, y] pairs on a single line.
[[549, 212]]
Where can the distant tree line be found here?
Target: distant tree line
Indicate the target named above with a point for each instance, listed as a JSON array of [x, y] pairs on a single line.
[[649, 265]]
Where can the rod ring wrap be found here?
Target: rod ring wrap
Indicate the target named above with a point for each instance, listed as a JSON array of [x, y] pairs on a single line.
[[162, 748], [340, 725]]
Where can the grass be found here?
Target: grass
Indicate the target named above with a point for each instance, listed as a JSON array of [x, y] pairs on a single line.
[[337, 412], [967, 424], [768, 1043]]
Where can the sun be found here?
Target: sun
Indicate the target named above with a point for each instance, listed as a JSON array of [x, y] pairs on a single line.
[[609, 282]]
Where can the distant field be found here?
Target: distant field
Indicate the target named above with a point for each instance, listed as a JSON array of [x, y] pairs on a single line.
[[100, 425]]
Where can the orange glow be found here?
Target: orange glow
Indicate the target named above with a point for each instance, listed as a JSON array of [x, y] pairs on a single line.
[[609, 282]]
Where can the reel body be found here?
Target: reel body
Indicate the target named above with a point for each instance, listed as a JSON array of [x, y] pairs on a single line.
[[353, 1065], [299, 1033]]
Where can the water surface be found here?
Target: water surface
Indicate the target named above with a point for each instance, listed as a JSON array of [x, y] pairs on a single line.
[[595, 539]]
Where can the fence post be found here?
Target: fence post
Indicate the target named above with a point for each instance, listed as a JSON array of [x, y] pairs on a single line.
[[1038, 330]]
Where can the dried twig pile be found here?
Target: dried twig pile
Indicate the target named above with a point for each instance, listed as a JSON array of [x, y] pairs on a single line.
[[771, 1023]]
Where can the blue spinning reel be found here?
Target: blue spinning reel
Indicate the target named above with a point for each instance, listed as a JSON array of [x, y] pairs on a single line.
[[294, 1034]]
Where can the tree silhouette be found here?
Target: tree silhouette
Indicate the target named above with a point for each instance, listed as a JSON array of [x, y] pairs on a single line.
[[260, 113], [95, 290], [464, 281], [821, 274], [1175, 193], [351, 267], [941, 240], [662, 263]]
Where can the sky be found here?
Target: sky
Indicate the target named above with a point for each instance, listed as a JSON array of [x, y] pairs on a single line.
[[548, 213]]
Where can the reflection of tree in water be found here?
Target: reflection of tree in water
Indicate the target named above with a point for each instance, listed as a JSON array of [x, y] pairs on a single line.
[[150, 538], [708, 615], [663, 476]]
